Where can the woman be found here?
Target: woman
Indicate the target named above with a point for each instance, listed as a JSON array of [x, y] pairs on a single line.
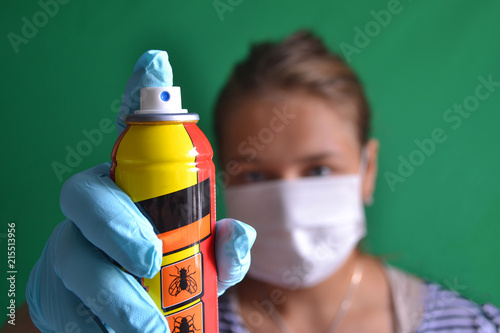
[[294, 118], [292, 125]]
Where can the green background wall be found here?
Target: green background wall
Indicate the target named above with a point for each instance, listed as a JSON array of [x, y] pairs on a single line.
[[439, 220]]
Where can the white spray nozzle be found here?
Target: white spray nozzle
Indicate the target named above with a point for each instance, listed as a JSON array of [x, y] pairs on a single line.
[[161, 100]]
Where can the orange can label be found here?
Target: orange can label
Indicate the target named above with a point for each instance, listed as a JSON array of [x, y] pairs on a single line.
[[188, 320], [182, 282]]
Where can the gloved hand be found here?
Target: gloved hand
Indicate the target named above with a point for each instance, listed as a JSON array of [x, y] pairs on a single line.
[[74, 287]]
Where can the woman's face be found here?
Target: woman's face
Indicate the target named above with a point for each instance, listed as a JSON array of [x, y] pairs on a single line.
[[295, 136]]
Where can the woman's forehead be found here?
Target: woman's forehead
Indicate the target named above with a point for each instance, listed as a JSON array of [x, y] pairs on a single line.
[[293, 125]]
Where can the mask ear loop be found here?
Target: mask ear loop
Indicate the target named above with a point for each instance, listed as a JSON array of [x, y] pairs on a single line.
[[363, 167]]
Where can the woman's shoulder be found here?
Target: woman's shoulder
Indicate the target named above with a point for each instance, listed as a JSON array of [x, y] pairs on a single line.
[[425, 306], [447, 311], [408, 294]]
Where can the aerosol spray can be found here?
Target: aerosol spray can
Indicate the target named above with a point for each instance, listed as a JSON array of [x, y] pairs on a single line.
[[163, 162]]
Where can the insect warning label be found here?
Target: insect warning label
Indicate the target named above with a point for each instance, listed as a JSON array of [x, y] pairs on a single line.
[[182, 282], [189, 320]]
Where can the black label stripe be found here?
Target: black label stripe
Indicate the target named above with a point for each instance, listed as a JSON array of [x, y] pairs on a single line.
[[177, 209]]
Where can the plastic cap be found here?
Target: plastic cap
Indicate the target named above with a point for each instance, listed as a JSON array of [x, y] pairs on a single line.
[[161, 100]]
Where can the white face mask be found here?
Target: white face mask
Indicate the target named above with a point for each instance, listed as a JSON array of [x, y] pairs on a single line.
[[306, 228]]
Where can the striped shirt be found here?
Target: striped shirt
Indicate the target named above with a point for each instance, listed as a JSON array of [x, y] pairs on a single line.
[[444, 311], [447, 311]]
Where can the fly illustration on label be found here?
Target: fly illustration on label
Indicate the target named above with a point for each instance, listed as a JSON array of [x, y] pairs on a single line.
[[182, 281]]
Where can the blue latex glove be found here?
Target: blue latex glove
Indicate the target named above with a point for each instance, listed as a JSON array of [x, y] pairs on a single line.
[[74, 286], [151, 70]]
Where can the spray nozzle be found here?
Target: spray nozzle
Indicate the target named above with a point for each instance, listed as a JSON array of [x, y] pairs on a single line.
[[161, 100]]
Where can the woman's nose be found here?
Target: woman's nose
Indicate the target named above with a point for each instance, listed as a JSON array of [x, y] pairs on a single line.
[[289, 174]]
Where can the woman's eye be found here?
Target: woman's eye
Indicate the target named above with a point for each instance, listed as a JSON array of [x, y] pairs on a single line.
[[321, 170], [254, 176]]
